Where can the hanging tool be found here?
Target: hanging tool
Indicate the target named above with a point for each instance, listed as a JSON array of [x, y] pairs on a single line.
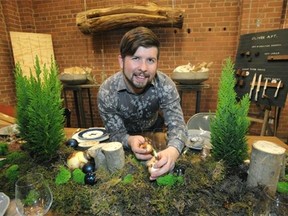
[[278, 86], [258, 87], [264, 89], [252, 85]]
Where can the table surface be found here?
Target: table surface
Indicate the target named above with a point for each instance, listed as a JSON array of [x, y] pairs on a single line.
[[250, 139]]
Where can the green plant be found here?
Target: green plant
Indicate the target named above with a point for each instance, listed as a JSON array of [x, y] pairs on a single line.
[[230, 126], [39, 111]]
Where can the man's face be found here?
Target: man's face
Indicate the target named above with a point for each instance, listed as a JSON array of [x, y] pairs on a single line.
[[139, 69]]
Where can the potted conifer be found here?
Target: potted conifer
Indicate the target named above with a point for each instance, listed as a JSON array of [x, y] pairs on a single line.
[[40, 117], [231, 123]]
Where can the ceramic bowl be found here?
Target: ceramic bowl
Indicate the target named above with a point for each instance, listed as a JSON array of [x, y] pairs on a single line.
[[73, 79], [190, 77]]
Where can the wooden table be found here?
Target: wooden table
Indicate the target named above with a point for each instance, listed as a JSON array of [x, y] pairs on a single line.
[[251, 139], [78, 101], [192, 87]]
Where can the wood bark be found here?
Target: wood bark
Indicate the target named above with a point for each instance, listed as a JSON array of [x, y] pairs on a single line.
[[267, 161], [115, 157], [99, 158], [128, 15], [109, 156]]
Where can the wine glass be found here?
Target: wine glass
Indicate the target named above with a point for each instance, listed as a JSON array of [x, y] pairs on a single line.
[[32, 195]]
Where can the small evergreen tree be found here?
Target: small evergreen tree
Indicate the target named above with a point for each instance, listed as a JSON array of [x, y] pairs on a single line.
[[39, 111], [230, 126]]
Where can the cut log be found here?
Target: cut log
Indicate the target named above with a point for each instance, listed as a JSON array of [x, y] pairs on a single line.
[[99, 158], [128, 15], [115, 157], [267, 161], [109, 156]]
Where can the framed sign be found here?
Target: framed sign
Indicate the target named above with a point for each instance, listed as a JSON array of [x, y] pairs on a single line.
[[262, 67]]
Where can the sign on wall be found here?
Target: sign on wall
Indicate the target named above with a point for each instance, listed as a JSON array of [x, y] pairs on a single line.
[[262, 67], [27, 45]]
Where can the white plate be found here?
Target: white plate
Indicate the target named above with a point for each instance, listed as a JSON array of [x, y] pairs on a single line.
[[91, 134], [198, 138], [4, 203]]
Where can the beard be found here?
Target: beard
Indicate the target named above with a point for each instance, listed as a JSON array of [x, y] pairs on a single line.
[[137, 80]]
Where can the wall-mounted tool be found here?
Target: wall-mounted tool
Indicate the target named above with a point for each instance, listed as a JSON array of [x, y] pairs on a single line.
[[278, 86], [252, 85], [264, 89], [258, 87]]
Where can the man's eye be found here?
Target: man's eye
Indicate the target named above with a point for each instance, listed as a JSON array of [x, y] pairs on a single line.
[[135, 58], [151, 61]]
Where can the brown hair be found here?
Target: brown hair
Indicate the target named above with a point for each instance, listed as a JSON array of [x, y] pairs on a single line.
[[137, 37]]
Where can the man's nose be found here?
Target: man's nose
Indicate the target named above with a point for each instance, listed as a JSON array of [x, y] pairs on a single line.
[[143, 65]]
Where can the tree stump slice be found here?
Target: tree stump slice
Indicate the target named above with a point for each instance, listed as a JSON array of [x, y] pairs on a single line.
[[114, 154], [96, 153], [267, 160]]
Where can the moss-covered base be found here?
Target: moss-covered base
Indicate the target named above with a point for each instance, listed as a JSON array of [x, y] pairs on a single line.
[[207, 188]]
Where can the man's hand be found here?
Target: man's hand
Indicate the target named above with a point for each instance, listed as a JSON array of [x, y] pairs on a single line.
[[165, 163], [135, 143]]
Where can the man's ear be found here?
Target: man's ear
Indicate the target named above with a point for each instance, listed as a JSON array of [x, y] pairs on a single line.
[[120, 60]]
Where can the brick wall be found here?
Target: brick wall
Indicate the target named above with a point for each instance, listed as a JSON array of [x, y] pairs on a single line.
[[210, 33]]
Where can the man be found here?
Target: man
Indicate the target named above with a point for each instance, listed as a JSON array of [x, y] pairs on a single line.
[[139, 98]]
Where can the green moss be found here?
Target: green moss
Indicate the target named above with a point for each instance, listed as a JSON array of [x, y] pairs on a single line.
[[3, 148], [17, 157], [12, 173], [63, 176], [31, 197], [127, 179], [282, 187], [78, 176], [169, 180], [109, 196]]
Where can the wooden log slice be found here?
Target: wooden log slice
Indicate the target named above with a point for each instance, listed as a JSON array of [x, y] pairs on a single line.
[[267, 160], [114, 154]]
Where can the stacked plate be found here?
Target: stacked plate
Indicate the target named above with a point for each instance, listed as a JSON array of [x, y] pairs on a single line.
[[96, 134], [197, 139]]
